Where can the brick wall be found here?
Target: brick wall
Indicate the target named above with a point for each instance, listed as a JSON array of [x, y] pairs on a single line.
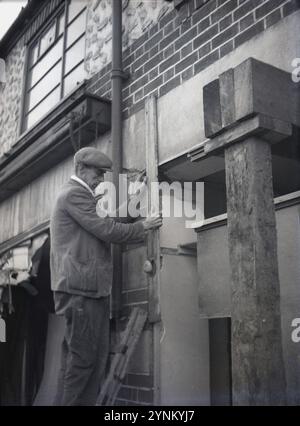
[[186, 41]]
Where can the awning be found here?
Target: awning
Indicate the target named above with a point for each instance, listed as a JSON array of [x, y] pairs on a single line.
[[19, 266]]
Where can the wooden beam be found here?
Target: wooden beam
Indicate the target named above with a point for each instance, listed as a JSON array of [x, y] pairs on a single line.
[[257, 357], [153, 244], [227, 104], [153, 241], [212, 108], [256, 105], [252, 88], [269, 129], [261, 88]]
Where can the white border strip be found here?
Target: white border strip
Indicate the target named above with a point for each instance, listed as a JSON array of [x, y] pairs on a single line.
[[223, 217]]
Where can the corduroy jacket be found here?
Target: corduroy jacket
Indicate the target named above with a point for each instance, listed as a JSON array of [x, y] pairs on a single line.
[[80, 256]]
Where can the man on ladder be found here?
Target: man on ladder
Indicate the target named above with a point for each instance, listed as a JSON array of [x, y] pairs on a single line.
[[81, 276]]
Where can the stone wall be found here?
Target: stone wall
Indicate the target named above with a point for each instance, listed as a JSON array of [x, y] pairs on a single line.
[[10, 97], [138, 17]]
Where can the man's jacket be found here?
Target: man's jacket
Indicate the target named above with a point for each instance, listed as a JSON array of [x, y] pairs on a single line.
[[80, 257]]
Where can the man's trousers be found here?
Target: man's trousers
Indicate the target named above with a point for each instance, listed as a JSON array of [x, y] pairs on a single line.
[[85, 348]]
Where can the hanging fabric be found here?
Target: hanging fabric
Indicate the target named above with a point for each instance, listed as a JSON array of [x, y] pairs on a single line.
[[26, 300], [2, 330]]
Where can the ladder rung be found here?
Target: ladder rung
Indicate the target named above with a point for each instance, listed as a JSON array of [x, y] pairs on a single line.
[[121, 359]]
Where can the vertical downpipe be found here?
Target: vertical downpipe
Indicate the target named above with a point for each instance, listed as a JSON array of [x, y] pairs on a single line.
[[116, 135]]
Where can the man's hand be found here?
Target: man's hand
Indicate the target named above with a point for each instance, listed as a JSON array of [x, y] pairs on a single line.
[[152, 222]]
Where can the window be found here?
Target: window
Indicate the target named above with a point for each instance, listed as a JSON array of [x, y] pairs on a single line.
[[55, 61]]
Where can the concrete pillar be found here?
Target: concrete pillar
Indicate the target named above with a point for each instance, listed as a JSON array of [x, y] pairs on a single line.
[[246, 110]]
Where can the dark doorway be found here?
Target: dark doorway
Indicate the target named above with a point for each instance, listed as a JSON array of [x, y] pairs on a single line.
[[22, 356], [220, 361]]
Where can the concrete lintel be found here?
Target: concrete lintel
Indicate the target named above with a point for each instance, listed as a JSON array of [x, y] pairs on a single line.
[[253, 87], [267, 128]]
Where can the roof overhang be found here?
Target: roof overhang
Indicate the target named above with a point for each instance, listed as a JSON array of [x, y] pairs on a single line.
[[23, 23]]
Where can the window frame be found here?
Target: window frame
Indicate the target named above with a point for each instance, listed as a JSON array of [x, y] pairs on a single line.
[[29, 65]]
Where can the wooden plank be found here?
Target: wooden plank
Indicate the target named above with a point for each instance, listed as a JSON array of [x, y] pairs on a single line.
[[227, 98], [269, 129], [156, 366], [212, 109], [243, 98], [153, 243]]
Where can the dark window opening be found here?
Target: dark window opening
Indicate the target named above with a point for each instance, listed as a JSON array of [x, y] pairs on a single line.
[[285, 168]]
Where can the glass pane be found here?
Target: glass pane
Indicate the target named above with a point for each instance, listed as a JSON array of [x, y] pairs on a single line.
[[61, 24], [34, 54], [74, 78], [44, 64], [75, 7], [47, 39], [43, 108], [45, 85], [75, 54], [76, 29]]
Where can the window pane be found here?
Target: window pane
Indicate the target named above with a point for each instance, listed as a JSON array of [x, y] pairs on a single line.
[[34, 54], [75, 7], [74, 78], [44, 64], [75, 54], [47, 39], [76, 29], [45, 86], [61, 24], [43, 108]]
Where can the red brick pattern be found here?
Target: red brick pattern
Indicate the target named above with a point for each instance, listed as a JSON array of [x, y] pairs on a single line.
[[186, 41]]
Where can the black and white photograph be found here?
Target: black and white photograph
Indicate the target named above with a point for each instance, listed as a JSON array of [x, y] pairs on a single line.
[[149, 206]]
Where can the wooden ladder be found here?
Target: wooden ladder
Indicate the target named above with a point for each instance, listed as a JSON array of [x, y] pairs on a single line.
[[120, 361]]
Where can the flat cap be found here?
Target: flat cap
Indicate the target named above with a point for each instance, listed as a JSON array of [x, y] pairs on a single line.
[[92, 157]]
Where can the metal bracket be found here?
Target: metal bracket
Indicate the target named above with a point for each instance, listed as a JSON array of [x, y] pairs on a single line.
[[73, 115], [118, 73]]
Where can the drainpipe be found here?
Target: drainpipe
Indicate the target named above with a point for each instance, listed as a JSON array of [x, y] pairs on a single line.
[[116, 135]]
